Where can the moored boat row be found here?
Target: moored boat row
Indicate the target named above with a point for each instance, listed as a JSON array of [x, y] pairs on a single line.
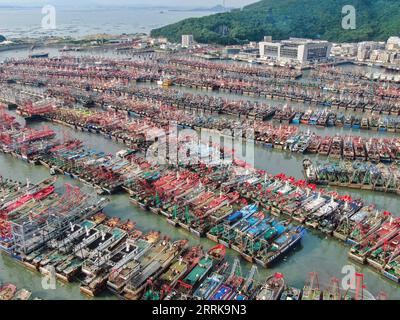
[[357, 175]]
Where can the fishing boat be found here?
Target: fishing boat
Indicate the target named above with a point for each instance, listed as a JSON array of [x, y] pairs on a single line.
[[314, 118], [385, 253], [127, 267], [273, 288], [297, 117], [68, 269], [245, 287], [50, 260], [331, 120], [306, 116], [22, 294], [322, 119], [333, 291], [213, 259], [152, 265], [356, 123], [336, 150], [161, 287], [326, 210], [7, 291], [210, 284], [75, 233], [311, 290], [315, 144], [348, 223], [228, 289], [382, 125], [348, 149], [348, 121], [291, 293], [326, 145], [340, 119], [359, 149], [280, 246], [94, 284], [39, 55], [392, 268], [373, 240], [364, 123]]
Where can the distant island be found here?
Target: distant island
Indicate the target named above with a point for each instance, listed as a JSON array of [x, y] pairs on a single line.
[[218, 8], [375, 20]]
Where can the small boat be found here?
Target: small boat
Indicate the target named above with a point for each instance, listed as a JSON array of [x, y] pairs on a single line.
[[273, 288], [211, 284], [291, 293], [297, 117], [333, 291], [311, 290], [39, 55], [22, 294], [7, 291]]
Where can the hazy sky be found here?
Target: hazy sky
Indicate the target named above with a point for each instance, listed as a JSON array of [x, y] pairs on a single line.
[[186, 3]]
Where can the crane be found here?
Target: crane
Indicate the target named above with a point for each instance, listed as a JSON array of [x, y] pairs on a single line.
[[250, 278]]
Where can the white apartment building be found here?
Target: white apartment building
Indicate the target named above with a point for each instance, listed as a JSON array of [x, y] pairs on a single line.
[[296, 50], [393, 43], [366, 48], [344, 49], [187, 40]]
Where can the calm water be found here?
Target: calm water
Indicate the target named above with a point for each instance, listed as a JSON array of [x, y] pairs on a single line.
[[15, 23]]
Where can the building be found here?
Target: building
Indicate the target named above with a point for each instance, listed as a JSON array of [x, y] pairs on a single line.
[[187, 40], [295, 51], [158, 41], [366, 48], [393, 43], [267, 39], [231, 50], [346, 50], [381, 56]]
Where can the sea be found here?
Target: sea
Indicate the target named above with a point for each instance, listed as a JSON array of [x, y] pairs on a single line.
[[27, 22]]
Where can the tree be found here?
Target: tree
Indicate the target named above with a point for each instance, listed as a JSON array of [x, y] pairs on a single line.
[[377, 20]]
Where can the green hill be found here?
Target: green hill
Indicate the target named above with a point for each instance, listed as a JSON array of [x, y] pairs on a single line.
[[376, 20]]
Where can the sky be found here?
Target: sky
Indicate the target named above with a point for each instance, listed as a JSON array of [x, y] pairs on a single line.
[[172, 3]]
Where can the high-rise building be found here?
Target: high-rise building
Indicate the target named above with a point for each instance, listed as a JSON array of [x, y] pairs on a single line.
[[187, 40]]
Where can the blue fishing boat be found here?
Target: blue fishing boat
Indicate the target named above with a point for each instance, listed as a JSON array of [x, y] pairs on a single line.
[[280, 246], [356, 123], [208, 287], [297, 117], [348, 121], [223, 293], [244, 213], [314, 118]]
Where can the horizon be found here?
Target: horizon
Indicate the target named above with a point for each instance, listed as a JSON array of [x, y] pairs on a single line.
[[127, 3]]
